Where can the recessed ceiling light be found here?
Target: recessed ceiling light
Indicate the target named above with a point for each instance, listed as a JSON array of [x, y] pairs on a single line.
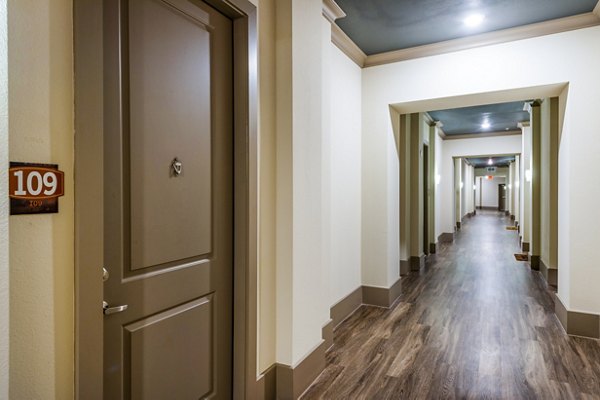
[[485, 125], [474, 20], [490, 162]]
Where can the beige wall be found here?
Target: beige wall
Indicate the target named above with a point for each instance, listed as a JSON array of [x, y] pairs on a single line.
[[41, 246], [345, 174], [4, 276]]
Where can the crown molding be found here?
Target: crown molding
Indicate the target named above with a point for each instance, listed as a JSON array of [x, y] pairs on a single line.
[[332, 11], [524, 124], [347, 46], [490, 38], [481, 135]]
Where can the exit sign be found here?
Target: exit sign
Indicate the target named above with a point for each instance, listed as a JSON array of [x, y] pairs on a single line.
[[34, 188]]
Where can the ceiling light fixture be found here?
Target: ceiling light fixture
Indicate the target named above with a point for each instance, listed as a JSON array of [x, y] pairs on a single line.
[[490, 162], [485, 125], [474, 20]]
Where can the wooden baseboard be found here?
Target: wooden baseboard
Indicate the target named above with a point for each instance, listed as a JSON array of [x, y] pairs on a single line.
[[404, 267], [577, 323], [432, 248], [346, 306], [381, 297], [284, 382], [525, 247], [416, 263], [534, 262], [447, 237], [458, 224], [549, 274]]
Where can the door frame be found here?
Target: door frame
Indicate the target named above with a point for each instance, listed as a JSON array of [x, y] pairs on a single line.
[[89, 165]]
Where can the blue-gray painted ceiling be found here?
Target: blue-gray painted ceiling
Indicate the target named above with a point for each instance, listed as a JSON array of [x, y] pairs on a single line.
[[482, 162], [378, 26], [466, 120]]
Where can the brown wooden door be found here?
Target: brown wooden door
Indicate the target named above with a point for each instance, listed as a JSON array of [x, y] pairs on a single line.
[[168, 200]]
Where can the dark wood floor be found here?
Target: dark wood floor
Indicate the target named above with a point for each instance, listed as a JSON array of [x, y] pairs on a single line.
[[473, 324]]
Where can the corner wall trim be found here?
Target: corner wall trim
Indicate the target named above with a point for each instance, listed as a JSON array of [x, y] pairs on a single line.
[[416, 263], [534, 262], [347, 46], [332, 11], [381, 297], [432, 248], [577, 323], [346, 306], [549, 274], [292, 382], [404, 267]]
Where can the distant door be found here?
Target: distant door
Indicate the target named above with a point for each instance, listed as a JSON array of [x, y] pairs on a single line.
[[502, 197], [168, 200]]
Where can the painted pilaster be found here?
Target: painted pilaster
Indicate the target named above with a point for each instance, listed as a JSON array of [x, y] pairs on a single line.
[[405, 192], [517, 189], [526, 187], [301, 311], [416, 191], [457, 192], [509, 185], [536, 171], [431, 190]]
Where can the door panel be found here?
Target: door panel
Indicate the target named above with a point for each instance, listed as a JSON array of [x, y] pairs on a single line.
[[169, 117], [160, 369], [168, 236]]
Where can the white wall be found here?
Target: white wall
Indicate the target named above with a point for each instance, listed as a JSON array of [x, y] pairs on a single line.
[[467, 147], [571, 57], [40, 64], [4, 276], [345, 180], [489, 194]]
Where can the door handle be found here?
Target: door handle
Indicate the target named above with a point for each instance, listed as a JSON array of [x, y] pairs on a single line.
[[112, 310]]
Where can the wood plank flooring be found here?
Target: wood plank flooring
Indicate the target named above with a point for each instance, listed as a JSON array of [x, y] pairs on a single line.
[[473, 324]]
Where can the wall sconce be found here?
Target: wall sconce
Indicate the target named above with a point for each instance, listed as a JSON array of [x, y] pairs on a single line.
[[462, 185], [528, 175], [474, 187], [438, 179], [517, 184], [509, 186]]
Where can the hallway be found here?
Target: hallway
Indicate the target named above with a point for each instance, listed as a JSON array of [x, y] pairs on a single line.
[[474, 323]]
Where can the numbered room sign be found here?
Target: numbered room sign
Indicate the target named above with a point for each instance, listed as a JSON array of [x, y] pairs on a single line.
[[34, 188]]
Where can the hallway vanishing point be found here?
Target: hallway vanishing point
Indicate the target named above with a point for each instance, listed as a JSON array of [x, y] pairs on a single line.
[[474, 323]]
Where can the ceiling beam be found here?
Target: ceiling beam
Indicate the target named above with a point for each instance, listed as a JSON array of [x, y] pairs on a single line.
[[481, 135]]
